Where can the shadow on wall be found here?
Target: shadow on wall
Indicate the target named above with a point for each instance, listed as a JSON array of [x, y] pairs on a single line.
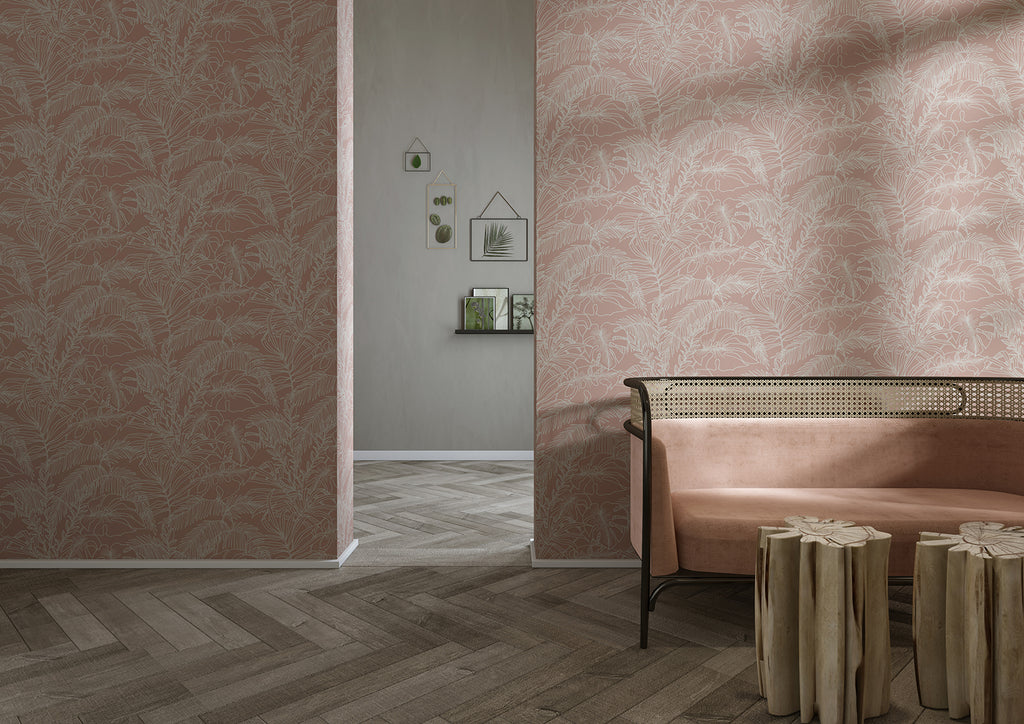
[[790, 190], [583, 513]]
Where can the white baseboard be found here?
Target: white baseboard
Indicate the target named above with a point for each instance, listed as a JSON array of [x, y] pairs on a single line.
[[536, 562], [410, 455], [347, 552], [172, 563]]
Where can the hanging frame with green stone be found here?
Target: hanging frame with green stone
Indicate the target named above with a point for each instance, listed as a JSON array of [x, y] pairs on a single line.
[[440, 214]]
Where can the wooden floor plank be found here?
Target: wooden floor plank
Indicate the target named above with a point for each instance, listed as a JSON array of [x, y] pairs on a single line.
[[212, 668], [491, 626], [178, 632], [648, 682], [437, 621], [10, 641], [331, 688], [412, 663], [309, 627], [35, 625], [502, 664], [61, 687], [680, 695], [21, 671], [382, 619], [534, 672], [112, 705], [323, 612], [374, 704], [84, 629], [342, 618], [217, 627], [275, 634], [124, 624], [277, 686], [128, 699]]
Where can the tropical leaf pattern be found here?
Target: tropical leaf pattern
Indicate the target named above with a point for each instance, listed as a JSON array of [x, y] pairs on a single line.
[[168, 258], [497, 241], [763, 187]]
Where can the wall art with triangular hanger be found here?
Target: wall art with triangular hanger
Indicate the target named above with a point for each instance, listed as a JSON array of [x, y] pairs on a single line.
[[417, 159], [499, 238]]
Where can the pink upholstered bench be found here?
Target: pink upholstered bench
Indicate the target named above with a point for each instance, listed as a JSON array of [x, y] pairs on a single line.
[[713, 459]]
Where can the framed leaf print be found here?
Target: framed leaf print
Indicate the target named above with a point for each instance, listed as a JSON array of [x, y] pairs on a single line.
[[478, 313], [501, 308], [498, 238], [522, 311], [417, 159], [440, 213]]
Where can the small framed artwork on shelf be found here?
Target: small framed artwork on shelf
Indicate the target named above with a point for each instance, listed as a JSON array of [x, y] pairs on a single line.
[[501, 309], [478, 313], [522, 311]]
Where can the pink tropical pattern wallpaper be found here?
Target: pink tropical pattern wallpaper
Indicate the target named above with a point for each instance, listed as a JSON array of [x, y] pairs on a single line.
[[756, 187], [168, 256]]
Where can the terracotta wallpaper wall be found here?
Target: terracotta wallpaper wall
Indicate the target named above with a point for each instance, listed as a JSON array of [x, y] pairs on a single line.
[[167, 280], [759, 187]]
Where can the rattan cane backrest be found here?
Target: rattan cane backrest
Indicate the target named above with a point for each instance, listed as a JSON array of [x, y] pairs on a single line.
[[929, 397]]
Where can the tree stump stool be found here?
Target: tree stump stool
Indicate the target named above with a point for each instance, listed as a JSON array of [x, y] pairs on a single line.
[[969, 622], [821, 620]]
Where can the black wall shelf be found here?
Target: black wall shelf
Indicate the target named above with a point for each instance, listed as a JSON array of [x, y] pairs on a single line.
[[493, 331]]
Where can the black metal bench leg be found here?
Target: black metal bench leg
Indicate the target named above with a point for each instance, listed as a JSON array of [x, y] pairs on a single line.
[[645, 605]]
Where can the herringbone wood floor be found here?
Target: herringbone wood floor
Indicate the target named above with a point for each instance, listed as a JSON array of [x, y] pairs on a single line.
[[435, 640], [444, 513]]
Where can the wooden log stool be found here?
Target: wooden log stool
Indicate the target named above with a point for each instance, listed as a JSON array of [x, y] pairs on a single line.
[[821, 619], [969, 622]]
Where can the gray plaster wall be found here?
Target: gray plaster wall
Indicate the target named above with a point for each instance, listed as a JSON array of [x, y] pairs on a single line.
[[458, 74]]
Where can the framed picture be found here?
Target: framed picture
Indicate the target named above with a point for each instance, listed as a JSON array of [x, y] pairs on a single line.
[[440, 214], [498, 239], [417, 161], [478, 313], [522, 311], [417, 157], [501, 308]]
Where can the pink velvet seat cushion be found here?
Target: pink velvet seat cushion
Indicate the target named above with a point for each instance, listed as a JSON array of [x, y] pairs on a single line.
[[716, 529]]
